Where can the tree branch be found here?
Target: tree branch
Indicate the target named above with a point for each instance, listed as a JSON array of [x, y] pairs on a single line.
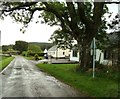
[[72, 12], [98, 11], [20, 6], [97, 14], [51, 9], [81, 11]]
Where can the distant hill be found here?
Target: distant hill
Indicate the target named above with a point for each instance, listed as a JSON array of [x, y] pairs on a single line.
[[43, 45]]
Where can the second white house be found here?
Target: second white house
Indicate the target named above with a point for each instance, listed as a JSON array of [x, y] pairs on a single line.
[[56, 52]]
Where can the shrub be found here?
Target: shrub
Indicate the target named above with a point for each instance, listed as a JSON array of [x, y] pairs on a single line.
[[24, 53], [28, 53], [36, 57], [40, 58]]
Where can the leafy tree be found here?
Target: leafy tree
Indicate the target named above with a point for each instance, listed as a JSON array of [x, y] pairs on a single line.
[[42, 45], [36, 56], [21, 46], [4, 48], [34, 48], [7, 47], [80, 20]]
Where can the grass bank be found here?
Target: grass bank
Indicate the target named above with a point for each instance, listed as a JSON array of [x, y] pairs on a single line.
[[5, 61], [98, 87]]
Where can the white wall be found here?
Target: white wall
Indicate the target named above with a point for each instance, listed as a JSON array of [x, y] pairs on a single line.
[[59, 53], [52, 53], [98, 52], [74, 58]]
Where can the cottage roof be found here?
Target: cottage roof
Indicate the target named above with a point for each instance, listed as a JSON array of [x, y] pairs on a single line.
[[113, 37], [53, 48], [75, 47]]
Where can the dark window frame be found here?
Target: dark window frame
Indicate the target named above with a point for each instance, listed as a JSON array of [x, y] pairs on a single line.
[[75, 53], [63, 53]]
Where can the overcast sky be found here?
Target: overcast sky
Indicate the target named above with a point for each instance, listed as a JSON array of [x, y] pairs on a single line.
[[10, 32]]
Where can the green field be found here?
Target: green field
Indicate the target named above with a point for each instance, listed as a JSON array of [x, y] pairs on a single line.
[[98, 87], [4, 61]]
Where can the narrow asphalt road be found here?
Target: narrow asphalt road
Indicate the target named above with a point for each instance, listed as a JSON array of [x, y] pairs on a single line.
[[23, 79]]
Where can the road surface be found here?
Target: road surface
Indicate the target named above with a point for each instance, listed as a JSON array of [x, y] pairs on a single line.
[[23, 79]]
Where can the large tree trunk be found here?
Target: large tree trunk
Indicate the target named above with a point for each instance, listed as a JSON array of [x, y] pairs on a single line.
[[84, 57]]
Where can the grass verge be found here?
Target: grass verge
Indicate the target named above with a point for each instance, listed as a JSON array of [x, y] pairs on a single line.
[[5, 61], [98, 87]]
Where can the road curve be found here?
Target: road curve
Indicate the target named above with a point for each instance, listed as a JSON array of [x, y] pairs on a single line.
[[23, 79]]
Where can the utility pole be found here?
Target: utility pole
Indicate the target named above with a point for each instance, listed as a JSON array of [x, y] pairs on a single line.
[[94, 57], [118, 63]]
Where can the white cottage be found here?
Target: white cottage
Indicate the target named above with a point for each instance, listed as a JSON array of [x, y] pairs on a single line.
[[56, 52]]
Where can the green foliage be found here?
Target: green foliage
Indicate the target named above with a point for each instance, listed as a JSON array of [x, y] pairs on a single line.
[[43, 46], [34, 48], [24, 53], [50, 18], [105, 71], [7, 47], [36, 57], [97, 64], [4, 48], [40, 58], [21, 46]]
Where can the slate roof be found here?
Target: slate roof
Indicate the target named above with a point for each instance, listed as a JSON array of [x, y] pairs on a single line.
[[113, 37], [75, 47], [53, 48]]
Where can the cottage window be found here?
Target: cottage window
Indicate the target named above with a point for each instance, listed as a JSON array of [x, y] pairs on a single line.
[[74, 53], [106, 54], [63, 53]]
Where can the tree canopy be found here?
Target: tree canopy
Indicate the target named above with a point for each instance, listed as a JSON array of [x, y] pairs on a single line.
[[21, 46], [7, 47], [80, 21], [42, 45], [34, 48]]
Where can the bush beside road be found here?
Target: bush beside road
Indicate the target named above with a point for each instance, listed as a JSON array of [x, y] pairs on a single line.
[[98, 87]]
